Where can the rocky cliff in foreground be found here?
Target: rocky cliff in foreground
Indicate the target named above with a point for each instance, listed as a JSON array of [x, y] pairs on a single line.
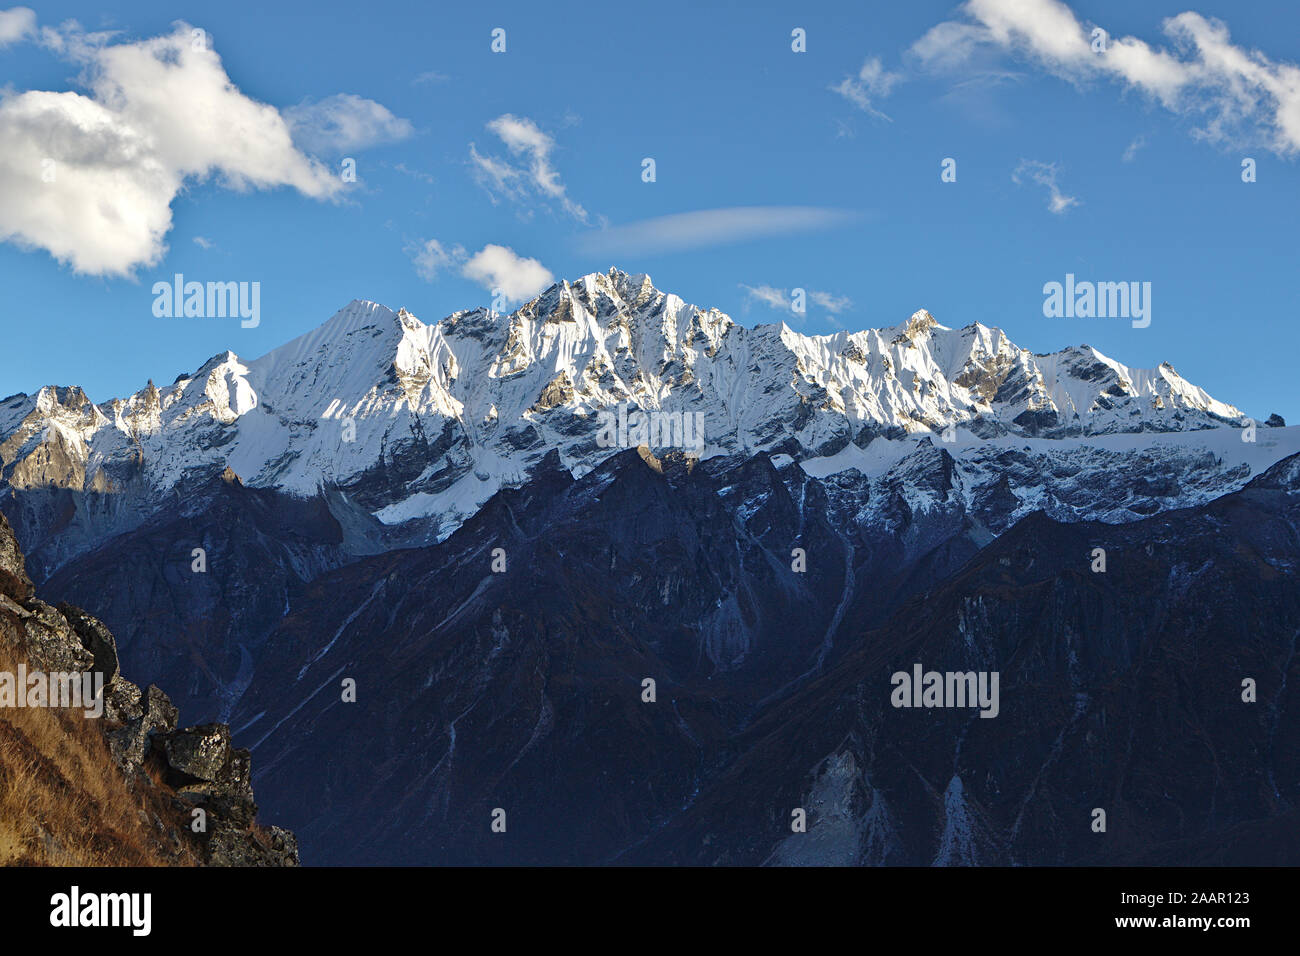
[[126, 786]]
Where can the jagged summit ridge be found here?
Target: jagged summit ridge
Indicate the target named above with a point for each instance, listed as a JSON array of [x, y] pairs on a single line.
[[416, 419]]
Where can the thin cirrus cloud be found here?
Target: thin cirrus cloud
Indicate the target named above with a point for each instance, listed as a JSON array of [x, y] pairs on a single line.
[[782, 299], [430, 258], [342, 123], [1044, 174], [499, 269], [1240, 96], [767, 295], [90, 177], [871, 84], [711, 227], [532, 174], [430, 76], [834, 304]]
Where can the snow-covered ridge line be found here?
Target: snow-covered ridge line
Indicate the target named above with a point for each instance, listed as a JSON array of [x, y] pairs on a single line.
[[427, 421]]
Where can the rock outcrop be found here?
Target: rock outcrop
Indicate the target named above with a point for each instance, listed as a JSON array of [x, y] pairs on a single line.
[[193, 770]]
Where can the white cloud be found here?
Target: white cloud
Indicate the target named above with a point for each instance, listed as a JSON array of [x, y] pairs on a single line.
[[343, 123], [1131, 151], [950, 45], [783, 300], [872, 83], [500, 269], [711, 227], [431, 257], [527, 142], [1244, 96], [203, 242], [495, 175], [16, 24], [90, 178], [767, 295], [430, 76], [1044, 174], [834, 304]]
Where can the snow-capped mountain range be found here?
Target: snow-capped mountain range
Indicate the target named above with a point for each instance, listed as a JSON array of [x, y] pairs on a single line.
[[944, 490], [420, 424]]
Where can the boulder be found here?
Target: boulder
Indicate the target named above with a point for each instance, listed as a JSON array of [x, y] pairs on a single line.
[[94, 637], [130, 744], [51, 643], [272, 846], [198, 753], [208, 773]]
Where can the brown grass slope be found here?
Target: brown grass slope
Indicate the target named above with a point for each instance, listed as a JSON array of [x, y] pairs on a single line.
[[127, 787], [64, 802]]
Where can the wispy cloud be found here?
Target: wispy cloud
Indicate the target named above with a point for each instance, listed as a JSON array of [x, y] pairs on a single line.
[[536, 177], [950, 46], [712, 227], [1242, 95], [431, 257], [783, 299], [834, 304], [430, 76], [419, 174], [872, 82], [203, 242], [1131, 151], [344, 123], [1044, 174], [767, 295]]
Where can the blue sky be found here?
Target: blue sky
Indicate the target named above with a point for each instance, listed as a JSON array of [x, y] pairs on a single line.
[[840, 147]]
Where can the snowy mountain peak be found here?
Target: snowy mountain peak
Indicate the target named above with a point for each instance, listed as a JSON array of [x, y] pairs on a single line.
[[426, 421], [921, 322]]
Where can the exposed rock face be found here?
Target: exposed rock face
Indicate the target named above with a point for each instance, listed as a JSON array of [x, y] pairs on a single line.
[[140, 728], [142, 717], [15, 585], [214, 777]]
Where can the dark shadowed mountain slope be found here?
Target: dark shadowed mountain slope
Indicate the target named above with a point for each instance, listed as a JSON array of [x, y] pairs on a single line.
[[523, 689], [193, 593], [1119, 691]]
